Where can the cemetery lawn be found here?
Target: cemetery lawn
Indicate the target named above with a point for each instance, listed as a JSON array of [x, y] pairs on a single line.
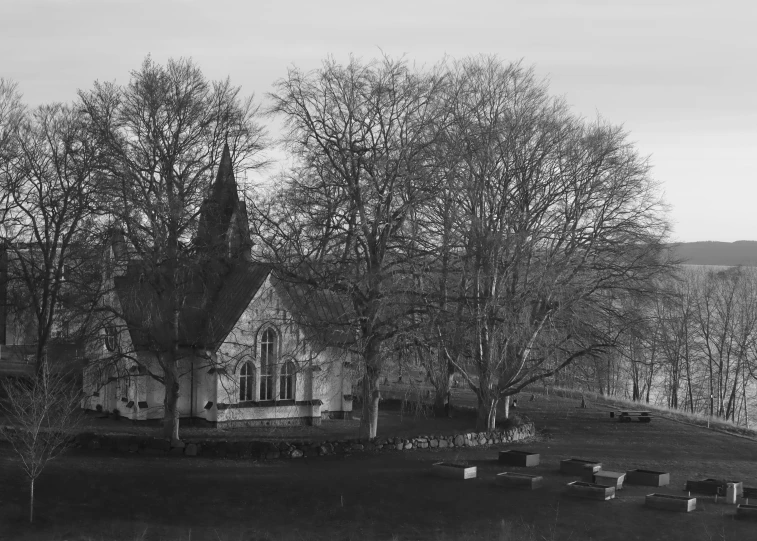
[[98, 495]]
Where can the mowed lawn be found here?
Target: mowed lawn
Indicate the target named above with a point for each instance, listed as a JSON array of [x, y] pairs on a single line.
[[388, 496]]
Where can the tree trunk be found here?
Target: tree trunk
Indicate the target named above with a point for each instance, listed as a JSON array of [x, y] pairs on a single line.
[[442, 397], [31, 501], [744, 403], [371, 397], [486, 419], [171, 401]]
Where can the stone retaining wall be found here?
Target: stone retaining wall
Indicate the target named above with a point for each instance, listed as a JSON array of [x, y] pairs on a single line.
[[263, 450]]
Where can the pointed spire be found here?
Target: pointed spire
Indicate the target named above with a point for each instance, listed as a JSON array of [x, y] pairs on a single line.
[[218, 230], [225, 178]]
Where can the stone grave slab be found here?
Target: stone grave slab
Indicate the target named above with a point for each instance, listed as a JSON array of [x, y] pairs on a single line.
[[579, 466], [669, 502], [583, 489], [609, 479], [714, 487], [744, 510], [519, 480], [454, 470], [648, 478], [524, 459]]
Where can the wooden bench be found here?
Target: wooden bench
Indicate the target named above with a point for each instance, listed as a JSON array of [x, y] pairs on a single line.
[[627, 416]]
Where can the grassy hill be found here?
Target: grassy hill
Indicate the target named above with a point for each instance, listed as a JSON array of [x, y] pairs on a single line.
[[742, 252]]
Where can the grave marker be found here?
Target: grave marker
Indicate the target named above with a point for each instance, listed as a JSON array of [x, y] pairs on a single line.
[[519, 480], [670, 502], [454, 470]]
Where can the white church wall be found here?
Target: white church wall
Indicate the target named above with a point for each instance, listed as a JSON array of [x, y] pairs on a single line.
[[243, 345], [318, 378]]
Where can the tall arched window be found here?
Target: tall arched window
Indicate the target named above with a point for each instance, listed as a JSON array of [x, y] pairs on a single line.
[[286, 381], [246, 382], [268, 355], [111, 338]]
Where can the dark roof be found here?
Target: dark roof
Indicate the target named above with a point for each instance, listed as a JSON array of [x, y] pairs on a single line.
[[239, 287], [214, 299], [324, 315]]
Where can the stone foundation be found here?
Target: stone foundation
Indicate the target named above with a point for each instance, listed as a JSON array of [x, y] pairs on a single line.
[[288, 421]]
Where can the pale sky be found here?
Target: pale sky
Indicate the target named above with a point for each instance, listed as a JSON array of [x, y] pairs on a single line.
[[678, 74]]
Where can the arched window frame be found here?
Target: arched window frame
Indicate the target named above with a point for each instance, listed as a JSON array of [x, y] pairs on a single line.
[[267, 350], [111, 338], [287, 379], [246, 381]]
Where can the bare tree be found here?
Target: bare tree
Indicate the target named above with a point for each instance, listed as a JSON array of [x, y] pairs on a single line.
[[163, 135], [42, 414], [361, 135], [11, 112], [49, 223], [726, 320], [559, 223]]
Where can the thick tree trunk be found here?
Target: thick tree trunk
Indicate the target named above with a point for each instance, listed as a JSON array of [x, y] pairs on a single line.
[[171, 401], [371, 397]]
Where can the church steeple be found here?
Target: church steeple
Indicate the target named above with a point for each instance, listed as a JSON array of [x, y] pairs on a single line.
[[223, 229]]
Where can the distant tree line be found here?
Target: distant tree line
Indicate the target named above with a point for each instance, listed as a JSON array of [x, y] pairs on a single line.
[[468, 218], [694, 349]]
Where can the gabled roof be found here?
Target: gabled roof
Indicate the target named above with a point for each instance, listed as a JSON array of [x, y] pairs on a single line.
[[325, 316], [239, 288], [207, 316]]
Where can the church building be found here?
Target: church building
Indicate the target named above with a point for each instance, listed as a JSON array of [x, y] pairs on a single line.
[[254, 348]]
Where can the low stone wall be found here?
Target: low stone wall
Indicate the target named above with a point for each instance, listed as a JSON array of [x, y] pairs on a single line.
[[265, 450]]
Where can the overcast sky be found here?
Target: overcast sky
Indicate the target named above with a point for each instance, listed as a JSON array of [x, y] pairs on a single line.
[[679, 75]]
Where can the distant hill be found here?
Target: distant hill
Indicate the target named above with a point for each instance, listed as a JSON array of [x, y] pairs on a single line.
[[741, 252]]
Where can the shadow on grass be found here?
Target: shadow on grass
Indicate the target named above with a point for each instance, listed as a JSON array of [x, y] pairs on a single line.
[[397, 418]]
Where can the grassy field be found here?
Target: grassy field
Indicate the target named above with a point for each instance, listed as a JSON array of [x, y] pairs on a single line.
[[91, 495]]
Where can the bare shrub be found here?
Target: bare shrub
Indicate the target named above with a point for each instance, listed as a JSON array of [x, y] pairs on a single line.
[[41, 415]]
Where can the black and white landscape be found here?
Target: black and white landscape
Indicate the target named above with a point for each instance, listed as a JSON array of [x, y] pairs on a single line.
[[399, 271]]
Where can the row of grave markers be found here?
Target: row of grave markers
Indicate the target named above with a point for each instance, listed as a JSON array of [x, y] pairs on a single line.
[[602, 485]]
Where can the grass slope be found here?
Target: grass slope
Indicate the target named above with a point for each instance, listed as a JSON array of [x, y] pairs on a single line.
[[696, 419], [93, 496]]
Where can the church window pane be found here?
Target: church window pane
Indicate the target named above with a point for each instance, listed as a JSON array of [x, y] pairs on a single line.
[[268, 356], [286, 381], [246, 382], [111, 338]]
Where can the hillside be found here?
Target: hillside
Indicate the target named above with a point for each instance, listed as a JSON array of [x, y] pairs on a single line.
[[742, 252]]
